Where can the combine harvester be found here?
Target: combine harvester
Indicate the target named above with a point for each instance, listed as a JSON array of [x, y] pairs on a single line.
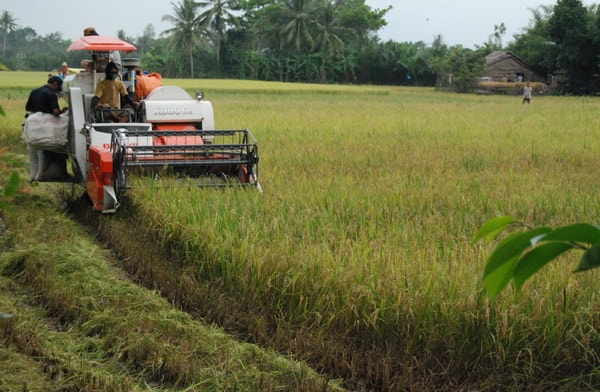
[[171, 132]]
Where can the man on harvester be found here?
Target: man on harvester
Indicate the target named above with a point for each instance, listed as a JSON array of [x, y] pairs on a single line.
[[109, 95]]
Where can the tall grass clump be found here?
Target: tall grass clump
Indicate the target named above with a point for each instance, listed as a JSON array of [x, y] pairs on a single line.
[[362, 235], [13, 104]]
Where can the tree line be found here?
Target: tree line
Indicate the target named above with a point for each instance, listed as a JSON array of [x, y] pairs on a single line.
[[327, 41]]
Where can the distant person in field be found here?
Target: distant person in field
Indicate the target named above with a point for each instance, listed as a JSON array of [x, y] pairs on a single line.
[[64, 70], [527, 90]]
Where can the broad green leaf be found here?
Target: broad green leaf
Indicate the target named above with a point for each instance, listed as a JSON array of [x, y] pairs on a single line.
[[493, 227], [535, 259], [2, 111], [5, 316], [510, 247], [13, 185], [495, 281], [590, 259], [579, 232]]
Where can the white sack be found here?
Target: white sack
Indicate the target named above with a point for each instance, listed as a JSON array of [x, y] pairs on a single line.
[[46, 131]]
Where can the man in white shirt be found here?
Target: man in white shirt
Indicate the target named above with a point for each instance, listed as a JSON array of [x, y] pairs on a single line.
[[527, 90]]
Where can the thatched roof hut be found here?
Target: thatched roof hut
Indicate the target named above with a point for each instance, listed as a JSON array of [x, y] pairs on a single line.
[[503, 66]]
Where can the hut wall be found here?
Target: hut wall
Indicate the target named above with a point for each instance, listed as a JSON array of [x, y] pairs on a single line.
[[508, 68]]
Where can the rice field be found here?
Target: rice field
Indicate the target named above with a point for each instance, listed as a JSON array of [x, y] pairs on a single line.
[[357, 255]]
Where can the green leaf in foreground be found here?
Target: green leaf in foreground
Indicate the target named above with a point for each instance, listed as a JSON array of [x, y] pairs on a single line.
[[537, 258], [590, 259], [512, 246], [578, 232], [493, 227], [521, 255], [501, 263], [495, 281]]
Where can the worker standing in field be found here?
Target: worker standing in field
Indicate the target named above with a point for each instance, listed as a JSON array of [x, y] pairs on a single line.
[[46, 165], [527, 90], [45, 99]]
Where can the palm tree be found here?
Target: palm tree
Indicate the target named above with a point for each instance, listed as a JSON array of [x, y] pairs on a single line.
[[328, 36], [187, 32], [499, 31], [330, 30], [146, 40], [7, 24], [297, 23], [216, 18]]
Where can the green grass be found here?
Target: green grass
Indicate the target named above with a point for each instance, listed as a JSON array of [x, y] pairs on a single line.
[[357, 256]]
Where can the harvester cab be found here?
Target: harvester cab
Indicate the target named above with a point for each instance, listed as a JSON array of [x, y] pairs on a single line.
[[171, 132]]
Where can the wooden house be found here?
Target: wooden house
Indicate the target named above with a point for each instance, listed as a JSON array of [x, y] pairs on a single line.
[[503, 66]]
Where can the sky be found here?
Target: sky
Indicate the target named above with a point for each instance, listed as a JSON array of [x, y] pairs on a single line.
[[462, 22]]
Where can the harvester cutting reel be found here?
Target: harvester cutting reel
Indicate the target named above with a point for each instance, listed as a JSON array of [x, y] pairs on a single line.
[[209, 158]]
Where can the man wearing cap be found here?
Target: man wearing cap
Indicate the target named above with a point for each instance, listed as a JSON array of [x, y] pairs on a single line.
[[46, 165], [113, 55], [89, 31], [45, 99]]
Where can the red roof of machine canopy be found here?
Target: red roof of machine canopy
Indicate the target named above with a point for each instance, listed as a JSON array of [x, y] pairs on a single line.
[[101, 44]]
